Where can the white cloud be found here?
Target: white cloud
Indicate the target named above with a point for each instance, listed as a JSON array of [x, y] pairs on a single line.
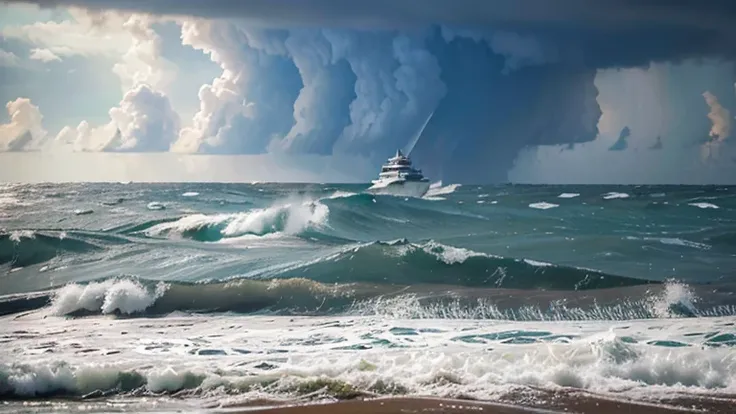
[[144, 119], [143, 122], [24, 131], [44, 55], [398, 84], [223, 99], [142, 62], [87, 34], [124, 37], [8, 58]]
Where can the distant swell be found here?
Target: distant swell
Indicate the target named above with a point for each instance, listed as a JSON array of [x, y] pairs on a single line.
[[403, 262], [26, 248]]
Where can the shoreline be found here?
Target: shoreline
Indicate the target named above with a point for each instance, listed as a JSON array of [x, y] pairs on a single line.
[[546, 402]]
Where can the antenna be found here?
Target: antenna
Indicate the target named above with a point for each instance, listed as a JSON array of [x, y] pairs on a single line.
[[410, 146]]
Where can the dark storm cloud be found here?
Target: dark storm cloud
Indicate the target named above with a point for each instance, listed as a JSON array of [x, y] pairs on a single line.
[[599, 33], [709, 14]]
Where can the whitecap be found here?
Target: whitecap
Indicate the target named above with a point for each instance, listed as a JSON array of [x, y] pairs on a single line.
[[190, 194], [615, 195], [123, 295], [17, 235], [436, 189], [704, 205], [155, 205], [285, 218], [339, 194], [568, 195], [684, 243], [543, 205], [450, 254], [537, 263]]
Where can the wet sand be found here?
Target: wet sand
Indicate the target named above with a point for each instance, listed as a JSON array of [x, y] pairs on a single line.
[[557, 403]]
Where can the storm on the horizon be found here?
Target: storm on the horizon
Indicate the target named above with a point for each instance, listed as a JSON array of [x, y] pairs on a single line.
[[605, 91]]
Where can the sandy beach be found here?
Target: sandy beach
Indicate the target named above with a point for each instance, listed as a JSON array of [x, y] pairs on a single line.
[[554, 403]]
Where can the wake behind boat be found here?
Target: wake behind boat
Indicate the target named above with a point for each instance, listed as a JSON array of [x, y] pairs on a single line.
[[398, 177]]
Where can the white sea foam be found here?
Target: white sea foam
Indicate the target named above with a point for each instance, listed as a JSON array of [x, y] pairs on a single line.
[[222, 355], [436, 190], [568, 195], [675, 295], [126, 296], [543, 205], [704, 205], [17, 235], [450, 254], [155, 205], [685, 243], [537, 263], [340, 194], [673, 241], [290, 219], [614, 195], [190, 194]]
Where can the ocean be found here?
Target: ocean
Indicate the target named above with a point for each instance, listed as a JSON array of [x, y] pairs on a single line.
[[155, 297]]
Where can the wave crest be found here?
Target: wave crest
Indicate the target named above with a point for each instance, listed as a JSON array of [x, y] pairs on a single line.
[[299, 296], [25, 248], [406, 263], [125, 296], [291, 219]]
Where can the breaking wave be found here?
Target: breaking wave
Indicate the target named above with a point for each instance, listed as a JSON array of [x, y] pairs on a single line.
[[291, 219], [302, 296]]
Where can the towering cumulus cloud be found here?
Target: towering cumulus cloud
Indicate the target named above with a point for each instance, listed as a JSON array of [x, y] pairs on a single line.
[[144, 120], [361, 77], [24, 129], [251, 102]]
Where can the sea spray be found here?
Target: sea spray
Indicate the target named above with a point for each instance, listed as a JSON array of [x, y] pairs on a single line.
[[283, 218], [126, 296]]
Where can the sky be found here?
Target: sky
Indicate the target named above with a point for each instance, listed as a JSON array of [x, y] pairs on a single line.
[[579, 91]]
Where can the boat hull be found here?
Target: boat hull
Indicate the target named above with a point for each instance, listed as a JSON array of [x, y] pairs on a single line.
[[400, 188]]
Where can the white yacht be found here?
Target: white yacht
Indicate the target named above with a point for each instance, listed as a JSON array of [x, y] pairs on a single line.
[[399, 178]]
